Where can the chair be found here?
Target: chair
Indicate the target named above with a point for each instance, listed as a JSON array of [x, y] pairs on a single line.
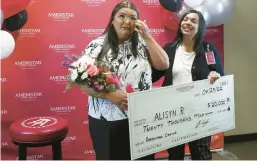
[[39, 132]]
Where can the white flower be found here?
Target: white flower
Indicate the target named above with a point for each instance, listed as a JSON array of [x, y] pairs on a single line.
[[75, 64], [88, 60], [84, 75], [91, 61], [82, 67], [83, 63], [74, 75]]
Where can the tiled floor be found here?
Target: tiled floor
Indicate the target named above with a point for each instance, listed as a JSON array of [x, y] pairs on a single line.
[[236, 151], [239, 151]]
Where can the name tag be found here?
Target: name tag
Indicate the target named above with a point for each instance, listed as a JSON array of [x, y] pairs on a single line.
[[210, 58]]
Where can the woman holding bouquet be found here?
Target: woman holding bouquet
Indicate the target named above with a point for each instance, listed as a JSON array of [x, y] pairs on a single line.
[[130, 51], [191, 59]]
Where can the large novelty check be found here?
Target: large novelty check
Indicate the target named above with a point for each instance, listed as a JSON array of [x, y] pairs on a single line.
[[170, 116]]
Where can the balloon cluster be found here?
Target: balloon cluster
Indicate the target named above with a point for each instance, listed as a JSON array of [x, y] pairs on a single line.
[[215, 12], [13, 16]]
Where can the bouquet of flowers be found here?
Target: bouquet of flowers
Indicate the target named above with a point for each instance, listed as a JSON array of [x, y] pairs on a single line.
[[85, 70]]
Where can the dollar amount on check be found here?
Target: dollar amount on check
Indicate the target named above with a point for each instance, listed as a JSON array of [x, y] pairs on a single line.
[[166, 117]]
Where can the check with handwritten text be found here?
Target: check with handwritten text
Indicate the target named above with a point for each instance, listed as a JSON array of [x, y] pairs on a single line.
[[169, 116]]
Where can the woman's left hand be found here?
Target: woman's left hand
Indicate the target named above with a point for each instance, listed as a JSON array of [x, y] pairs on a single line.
[[213, 76], [142, 29]]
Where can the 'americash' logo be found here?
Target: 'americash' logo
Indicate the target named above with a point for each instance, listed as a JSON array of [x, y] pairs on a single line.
[[27, 64], [4, 112], [58, 79], [29, 96], [93, 31], [69, 139], [62, 109], [61, 16], [32, 2], [28, 32], [89, 152], [4, 144], [62, 47], [93, 2], [35, 157], [157, 31], [151, 3], [211, 32], [85, 122], [3, 80]]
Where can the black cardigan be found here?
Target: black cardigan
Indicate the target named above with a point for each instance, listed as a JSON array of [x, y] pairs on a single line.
[[200, 69]]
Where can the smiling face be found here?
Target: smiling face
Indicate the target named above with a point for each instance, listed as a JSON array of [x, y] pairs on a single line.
[[189, 25], [124, 22]]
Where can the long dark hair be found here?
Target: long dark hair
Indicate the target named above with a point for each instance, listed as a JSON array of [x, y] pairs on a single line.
[[199, 37], [111, 39]]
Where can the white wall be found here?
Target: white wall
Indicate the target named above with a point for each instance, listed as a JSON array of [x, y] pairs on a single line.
[[240, 42]]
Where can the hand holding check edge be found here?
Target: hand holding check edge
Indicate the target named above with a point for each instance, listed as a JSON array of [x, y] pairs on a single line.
[[213, 76]]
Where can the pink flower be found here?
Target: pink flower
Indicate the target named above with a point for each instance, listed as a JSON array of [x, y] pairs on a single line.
[[99, 87], [112, 79], [129, 88], [100, 69], [92, 70]]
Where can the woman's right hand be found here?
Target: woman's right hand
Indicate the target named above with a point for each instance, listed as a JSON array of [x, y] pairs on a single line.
[[213, 76], [118, 97]]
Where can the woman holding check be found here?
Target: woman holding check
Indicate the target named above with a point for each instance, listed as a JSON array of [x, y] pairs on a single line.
[[130, 51], [191, 59]]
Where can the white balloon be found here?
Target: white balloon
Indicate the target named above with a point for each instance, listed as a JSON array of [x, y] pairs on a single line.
[[205, 14], [215, 12], [7, 44], [1, 18], [220, 11], [193, 3], [183, 10]]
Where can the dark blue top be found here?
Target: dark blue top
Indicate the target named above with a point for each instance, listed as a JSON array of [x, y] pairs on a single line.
[[200, 69]]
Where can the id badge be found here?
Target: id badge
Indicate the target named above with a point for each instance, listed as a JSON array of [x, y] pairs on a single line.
[[210, 58]]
